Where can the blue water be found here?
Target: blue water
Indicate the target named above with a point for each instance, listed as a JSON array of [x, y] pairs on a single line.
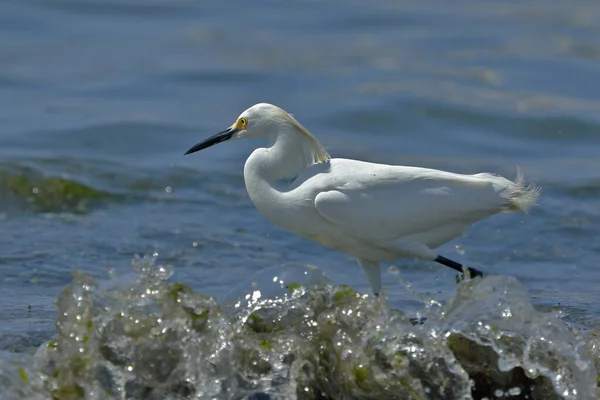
[[100, 99]]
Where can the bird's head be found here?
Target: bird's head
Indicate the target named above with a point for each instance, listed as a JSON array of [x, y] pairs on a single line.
[[260, 120]]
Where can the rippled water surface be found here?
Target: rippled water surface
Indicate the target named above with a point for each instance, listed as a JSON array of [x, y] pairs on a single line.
[[101, 98]]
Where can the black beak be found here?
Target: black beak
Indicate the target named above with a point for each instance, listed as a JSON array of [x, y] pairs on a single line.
[[218, 138]]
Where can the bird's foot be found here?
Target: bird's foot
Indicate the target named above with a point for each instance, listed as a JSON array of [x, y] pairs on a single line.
[[469, 272]]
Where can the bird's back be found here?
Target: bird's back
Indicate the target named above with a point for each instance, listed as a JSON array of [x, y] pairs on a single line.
[[386, 201]]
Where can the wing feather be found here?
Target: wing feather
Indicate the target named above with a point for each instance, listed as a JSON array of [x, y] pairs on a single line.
[[386, 204]]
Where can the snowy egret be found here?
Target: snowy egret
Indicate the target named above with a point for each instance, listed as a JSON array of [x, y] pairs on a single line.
[[374, 212]]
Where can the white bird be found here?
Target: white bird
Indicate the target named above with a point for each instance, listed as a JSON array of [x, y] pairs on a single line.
[[374, 212]]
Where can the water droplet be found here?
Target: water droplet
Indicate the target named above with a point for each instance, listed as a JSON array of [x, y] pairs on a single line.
[[514, 391]]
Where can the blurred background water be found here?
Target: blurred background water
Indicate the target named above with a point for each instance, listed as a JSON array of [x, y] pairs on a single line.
[[100, 98]]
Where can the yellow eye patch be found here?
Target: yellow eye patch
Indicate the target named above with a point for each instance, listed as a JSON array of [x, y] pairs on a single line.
[[241, 124]]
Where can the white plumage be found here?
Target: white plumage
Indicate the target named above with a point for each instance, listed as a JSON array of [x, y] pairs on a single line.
[[374, 212]]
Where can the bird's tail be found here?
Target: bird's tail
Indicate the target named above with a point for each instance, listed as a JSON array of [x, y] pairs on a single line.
[[520, 195]]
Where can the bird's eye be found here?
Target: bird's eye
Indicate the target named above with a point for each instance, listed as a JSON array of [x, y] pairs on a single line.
[[243, 122]]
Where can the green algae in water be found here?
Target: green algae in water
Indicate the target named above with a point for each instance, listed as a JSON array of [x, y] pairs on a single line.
[[140, 341], [344, 293], [265, 344], [48, 194], [292, 287], [23, 375], [361, 373]]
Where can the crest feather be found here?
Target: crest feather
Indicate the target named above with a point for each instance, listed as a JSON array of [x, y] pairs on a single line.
[[316, 151]]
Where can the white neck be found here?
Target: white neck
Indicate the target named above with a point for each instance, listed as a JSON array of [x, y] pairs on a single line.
[[285, 159]]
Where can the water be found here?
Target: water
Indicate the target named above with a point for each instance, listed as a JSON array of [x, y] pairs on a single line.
[[101, 98]]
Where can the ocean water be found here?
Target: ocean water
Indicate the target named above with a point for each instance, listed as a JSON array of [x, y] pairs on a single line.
[[132, 272]]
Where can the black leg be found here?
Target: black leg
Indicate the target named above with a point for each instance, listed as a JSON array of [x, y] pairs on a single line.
[[456, 266]]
